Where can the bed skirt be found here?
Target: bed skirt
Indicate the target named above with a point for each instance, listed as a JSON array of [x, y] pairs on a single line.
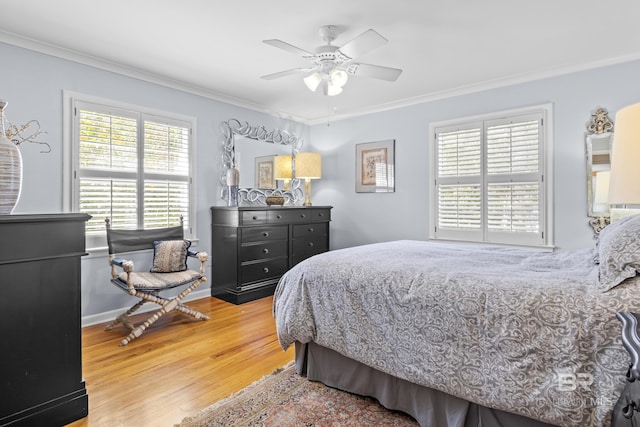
[[428, 406]]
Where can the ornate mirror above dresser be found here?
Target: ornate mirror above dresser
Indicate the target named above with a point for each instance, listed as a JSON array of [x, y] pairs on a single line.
[[247, 147], [598, 150]]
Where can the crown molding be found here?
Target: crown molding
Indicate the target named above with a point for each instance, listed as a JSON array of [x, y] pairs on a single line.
[[144, 75], [90, 60], [481, 86]]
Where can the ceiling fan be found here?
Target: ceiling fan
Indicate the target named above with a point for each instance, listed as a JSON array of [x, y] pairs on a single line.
[[331, 65]]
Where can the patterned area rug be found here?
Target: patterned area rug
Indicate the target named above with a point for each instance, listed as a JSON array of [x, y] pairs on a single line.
[[284, 399]]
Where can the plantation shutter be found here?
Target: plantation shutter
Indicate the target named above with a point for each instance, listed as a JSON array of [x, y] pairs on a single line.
[[166, 148], [459, 182], [131, 167], [108, 167], [514, 180], [489, 181], [166, 165]]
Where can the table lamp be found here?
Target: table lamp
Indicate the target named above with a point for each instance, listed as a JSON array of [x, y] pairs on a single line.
[[282, 170], [308, 167], [624, 182]]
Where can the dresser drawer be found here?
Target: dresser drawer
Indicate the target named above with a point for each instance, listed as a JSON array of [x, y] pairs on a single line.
[[309, 245], [265, 250], [290, 216], [253, 217], [321, 214], [258, 271], [315, 229], [266, 233]]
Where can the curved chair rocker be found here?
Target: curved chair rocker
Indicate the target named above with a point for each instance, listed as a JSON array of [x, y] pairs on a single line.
[[169, 271]]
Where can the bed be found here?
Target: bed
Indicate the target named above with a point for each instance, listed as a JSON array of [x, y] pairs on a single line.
[[504, 335]]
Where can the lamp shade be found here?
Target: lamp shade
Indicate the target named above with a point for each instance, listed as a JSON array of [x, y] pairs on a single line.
[[331, 89], [624, 183], [308, 165], [339, 77], [282, 167], [312, 81]]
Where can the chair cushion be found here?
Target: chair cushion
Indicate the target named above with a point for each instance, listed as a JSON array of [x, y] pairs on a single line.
[[154, 281], [170, 256]]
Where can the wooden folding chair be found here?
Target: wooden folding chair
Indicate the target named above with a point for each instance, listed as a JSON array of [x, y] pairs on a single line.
[[169, 270]]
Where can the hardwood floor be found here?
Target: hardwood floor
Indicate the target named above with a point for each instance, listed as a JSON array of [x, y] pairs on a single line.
[[178, 366]]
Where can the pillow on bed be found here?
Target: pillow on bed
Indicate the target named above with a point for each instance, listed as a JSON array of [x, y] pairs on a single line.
[[619, 252], [170, 256]]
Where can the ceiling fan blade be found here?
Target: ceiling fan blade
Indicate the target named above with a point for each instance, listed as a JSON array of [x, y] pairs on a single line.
[[291, 72], [362, 44], [288, 47], [375, 71]]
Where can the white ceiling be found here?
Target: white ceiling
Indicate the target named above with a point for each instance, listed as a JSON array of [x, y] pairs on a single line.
[[215, 47]]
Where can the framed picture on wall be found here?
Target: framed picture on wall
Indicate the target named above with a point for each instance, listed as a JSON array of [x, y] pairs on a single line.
[[375, 164], [264, 175]]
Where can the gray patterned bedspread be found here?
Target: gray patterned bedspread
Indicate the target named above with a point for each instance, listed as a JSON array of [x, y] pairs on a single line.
[[522, 331]]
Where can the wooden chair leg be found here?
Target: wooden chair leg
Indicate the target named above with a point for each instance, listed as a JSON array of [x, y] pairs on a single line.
[[191, 312], [167, 306], [186, 309], [124, 317], [135, 333]]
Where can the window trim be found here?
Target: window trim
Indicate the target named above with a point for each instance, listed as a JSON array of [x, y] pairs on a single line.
[[546, 110], [71, 161]]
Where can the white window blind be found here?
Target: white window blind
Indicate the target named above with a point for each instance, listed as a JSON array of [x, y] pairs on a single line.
[[458, 181], [460, 206], [131, 166], [459, 153], [489, 180], [514, 178]]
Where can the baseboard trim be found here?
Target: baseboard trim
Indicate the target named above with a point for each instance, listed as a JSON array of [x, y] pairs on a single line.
[[108, 316]]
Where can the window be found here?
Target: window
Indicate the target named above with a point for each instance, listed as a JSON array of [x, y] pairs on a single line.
[[488, 179], [131, 166]]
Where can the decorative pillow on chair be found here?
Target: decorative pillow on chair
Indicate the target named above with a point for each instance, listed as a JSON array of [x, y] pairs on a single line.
[[619, 252], [170, 256]]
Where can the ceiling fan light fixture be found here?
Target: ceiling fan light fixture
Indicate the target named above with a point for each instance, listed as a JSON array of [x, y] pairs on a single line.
[[338, 77], [313, 81], [332, 65], [333, 90]]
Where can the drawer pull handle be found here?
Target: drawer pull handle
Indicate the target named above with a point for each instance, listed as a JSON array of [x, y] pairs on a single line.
[[255, 217], [310, 244], [310, 230], [321, 214], [279, 216], [303, 215], [265, 270], [265, 234], [265, 251]]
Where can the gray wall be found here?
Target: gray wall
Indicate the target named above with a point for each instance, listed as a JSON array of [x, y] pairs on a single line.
[[360, 218], [33, 84]]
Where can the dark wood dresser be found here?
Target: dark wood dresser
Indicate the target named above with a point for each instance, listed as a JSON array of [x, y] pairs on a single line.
[[252, 247], [40, 326]]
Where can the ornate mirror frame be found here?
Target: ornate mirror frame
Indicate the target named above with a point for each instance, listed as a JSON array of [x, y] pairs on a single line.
[[256, 196], [598, 151]]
